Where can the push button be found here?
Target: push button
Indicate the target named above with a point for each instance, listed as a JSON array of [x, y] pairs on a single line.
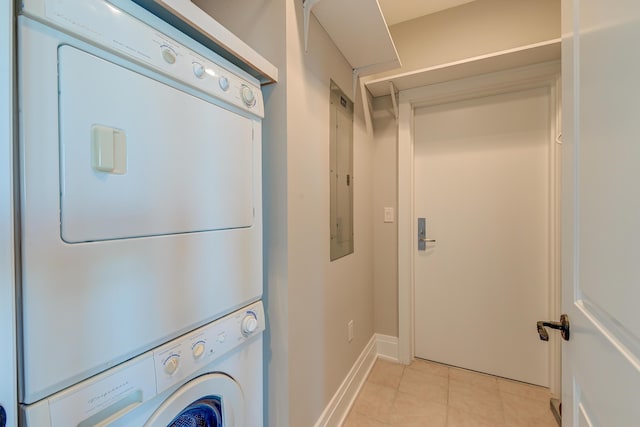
[[198, 70]]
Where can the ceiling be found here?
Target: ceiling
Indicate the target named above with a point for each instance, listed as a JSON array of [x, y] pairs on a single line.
[[396, 11]]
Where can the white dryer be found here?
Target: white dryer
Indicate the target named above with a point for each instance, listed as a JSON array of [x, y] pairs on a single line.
[[211, 377], [140, 188]]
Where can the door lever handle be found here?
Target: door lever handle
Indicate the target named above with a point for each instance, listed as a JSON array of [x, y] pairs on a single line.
[[422, 235], [563, 326]]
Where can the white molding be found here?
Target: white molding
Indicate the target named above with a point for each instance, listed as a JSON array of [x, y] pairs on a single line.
[[405, 232], [539, 75], [8, 384], [341, 402], [380, 346], [387, 347], [555, 290]]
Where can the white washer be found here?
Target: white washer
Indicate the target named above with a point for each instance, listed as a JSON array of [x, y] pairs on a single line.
[[211, 377], [140, 188]]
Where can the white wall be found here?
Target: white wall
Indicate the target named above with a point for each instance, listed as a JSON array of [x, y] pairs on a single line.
[[309, 299], [323, 295], [8, 387]]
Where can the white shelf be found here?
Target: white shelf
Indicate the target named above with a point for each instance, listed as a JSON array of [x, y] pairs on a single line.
[[518, 57], [359, 30]]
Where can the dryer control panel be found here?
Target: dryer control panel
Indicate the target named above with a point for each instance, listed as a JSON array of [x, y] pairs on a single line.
[[115, 30]]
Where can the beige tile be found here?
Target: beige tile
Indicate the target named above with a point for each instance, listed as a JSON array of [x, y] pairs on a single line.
[[428, 387], [524, 412], [386, 373], [375, 401], [524, 390], [459, 418], [476, 399], [407, 404], [409, 410], [477, 379], [358, 420], [428, 367], [417, 421]]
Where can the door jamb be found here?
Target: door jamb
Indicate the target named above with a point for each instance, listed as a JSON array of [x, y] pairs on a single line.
[[535, 76]]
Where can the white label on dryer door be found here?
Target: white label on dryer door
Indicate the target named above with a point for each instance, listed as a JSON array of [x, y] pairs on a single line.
[[189, 163]]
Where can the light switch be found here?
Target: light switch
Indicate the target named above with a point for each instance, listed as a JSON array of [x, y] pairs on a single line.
[[109, 149], [388, 214]]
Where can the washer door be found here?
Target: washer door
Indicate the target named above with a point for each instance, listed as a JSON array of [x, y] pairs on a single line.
[[210, 400]]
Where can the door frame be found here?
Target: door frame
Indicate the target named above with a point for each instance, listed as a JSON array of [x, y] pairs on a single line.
[[8, 361], [545, 75]]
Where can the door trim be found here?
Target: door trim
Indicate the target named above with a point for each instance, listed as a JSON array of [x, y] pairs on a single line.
[[545, 75]]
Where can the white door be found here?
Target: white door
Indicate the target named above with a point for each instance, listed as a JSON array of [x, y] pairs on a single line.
[[601, 204], [482, 182]]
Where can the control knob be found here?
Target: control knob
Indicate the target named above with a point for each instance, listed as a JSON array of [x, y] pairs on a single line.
[[248, 97], [171, 364], [198, 349], [168, 54], [249, 324]]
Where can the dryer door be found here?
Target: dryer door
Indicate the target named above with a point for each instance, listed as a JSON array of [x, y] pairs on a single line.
[[210, 400], [175, 163]]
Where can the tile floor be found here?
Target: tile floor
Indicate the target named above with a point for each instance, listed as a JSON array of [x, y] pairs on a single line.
[[427, 394]]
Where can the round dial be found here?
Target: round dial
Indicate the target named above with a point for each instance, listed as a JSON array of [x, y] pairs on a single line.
[[171, 364], [248, 97], [168, 54], [249, 324], [198, 70], [198, 349], [223, 82]]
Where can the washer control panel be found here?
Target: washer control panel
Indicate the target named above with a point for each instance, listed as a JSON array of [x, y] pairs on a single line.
[[146, 376], [177, 359]]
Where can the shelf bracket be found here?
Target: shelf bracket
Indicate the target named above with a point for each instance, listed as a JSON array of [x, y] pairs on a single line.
[[307, 5], [355, 75], [367, 106], [392, 90]]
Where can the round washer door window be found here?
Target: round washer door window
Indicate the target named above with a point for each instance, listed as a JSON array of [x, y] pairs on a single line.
[[210, 400]]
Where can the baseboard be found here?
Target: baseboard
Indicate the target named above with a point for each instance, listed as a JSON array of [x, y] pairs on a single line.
[[387, 347], [382, 346]]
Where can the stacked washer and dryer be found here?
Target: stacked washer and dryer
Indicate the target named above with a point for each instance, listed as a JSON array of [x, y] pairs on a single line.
[[140, 223]]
